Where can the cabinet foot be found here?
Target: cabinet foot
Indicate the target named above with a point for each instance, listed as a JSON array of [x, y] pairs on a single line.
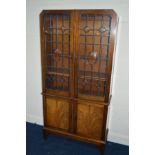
[[101, 148], [45, 134]]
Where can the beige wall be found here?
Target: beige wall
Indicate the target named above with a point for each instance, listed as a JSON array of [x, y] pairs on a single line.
[[119, 109]]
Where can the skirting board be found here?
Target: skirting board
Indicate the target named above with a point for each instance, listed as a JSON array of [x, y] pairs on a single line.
[[112, 137], [34, 119], [118, 138]]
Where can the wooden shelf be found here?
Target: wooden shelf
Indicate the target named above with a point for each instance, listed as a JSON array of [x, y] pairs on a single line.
[[59, 74], [93, 78], [47, 32], [91, 35]]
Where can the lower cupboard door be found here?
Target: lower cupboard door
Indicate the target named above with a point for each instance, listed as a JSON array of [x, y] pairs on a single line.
[[57, 113], [90, 120]]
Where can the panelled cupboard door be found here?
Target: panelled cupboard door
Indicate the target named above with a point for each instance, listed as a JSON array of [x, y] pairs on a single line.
[[90, 119], [57, 113], [94, 48], [57, 51]]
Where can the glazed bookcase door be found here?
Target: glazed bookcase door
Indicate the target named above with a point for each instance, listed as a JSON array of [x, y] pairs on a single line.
[[95, 33], [57, 40]]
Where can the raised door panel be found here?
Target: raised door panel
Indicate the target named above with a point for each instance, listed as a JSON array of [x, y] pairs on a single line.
[[57, 113], [89, 120]]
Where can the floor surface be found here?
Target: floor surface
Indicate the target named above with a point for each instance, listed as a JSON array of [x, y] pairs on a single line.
[[57, 145]]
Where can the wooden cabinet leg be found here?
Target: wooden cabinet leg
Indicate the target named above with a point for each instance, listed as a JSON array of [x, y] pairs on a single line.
[[45, 134], [101, 148]]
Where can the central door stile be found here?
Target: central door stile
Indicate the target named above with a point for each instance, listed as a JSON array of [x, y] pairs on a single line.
[[70, 116], [74, 115], [71, 91], [74, 101], [76, 40]]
